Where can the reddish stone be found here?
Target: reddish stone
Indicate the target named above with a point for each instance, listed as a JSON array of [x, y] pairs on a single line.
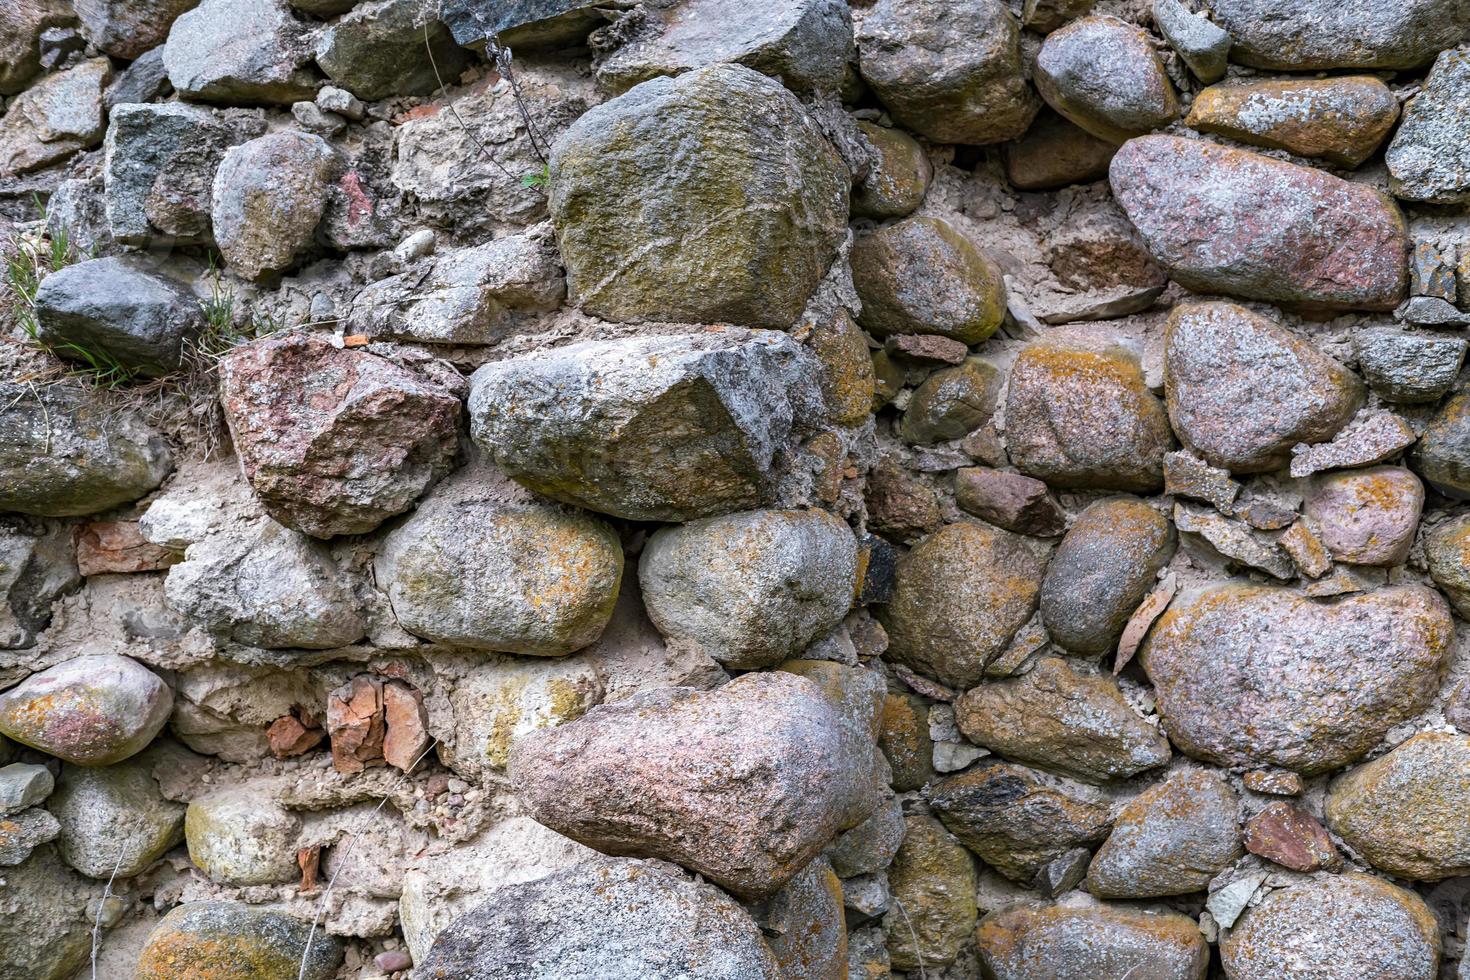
[[118, 547], [436, 785], [310, 860], [1291, 837], [408, 725], [288, 737], [900, 506], [927, 349], [355, 723], [1009, 500]]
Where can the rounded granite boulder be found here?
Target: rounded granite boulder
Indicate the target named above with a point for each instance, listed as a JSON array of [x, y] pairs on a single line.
[[90, 711], [233, 941]]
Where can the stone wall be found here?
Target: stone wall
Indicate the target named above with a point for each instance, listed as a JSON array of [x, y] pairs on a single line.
[[721, 489]]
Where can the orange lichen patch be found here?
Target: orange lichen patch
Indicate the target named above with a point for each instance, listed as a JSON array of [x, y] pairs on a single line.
[[182, 956]]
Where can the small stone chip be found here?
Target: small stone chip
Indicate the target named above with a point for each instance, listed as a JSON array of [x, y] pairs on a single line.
[[1277, 782], [1234, 540], [929, 349], [1374, 436], [1186, 475], [1432, 271], [1143, 617], [1306, 549]]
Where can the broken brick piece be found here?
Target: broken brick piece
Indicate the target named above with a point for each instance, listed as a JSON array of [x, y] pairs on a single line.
[[355, 723], [407, 736], [288, 737]]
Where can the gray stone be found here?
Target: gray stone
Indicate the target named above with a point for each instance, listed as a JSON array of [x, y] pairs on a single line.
[[118, 307], [1431, 311], [1372, 437], [1231, 540], [269, 195], [806, 44], [37, 564], [239, 836], [869, 847], [1103, 569], [145, 80], [1315, 34], [1442, 455], [518, 24], [22, 833], [1055, 152], [45, 921], [265, 585], [470, 570], [23, 785], [1186, 475], [1429, 158], [1032, 941], [240, 51], [664, 428], [114, 820], [128, 28], [1203, 45], [750, 589], [21, 27], [90, 711], [1103, 74], [605, 918], [898, 178], [77, 210], [56, 118], [234, 941], [933, 881], [312, 119], [329, 98], [951, 73], [805, 924], [633, 182], [385, 48]]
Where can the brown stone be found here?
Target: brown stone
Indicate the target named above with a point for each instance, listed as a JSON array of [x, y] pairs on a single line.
[[1306, 549], [1031, 941], [925, 350], [407, 736], [288, 737], [1277, 782], [1340, 119], [310, 861], [933, 882], [1367, 517], [1143, 619], [355, 723], [847, 377], [904, 739], [1010, 501], [1292, 838], [900, 506], [118, 547], [922, 275], [1056, 152]]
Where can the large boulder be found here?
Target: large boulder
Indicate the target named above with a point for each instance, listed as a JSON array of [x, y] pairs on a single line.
[[1257, 676], [114, 819], [1031, 941], [54, 119], [1292, 234], [1316, 34], [90, 711], [750, 589], [952, 73], [603, 918], [663, 428], [234, 941], [1340, 119], [386, 48], [1429, 158], [240, 51], [744, 784], [656, 220], [269, 195], [334, 441], [1106, 76]]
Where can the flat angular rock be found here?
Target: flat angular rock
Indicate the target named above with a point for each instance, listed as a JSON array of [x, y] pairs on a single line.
[[1055, 152], [1339, 119], [239, 836], [89, 711], [1350, 925], [746, 811], [1063, 719], [1085, 419], [899, 177], [1101, 267], [869, 846], [1367, 517], [1243, 390], [128, 28], [903, 735], [1031, 941], [952, 74], [240, 51], [933, 879], [1101, 572], [750, 589], [114, 819], [805, 44], [21, 27], [118, 548], [234, 941], [1103, 74], [1009, 501], [385, 48], [1294, 235], [1232, 540], [593, 424], [1306, 549], [1314, 34], [22, 786], [1372, 437], [604, 918], [960, 596], [1256, 676], [633, 182], [334, 441], [1199, 41], [501, 703], [56, 118], [1292, 838], [1429, 158], [269, 195], [847, 376], [1186, 475], [21, 834], [521, 24]]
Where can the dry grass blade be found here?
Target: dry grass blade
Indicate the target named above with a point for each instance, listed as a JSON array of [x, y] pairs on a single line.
[[101, 904]]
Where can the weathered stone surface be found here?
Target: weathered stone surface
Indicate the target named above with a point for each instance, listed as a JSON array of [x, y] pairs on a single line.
[[523, 23], [1447, 549], [1200, 42], [805, 44], [665, 428], [56, 118], [1085, 419], [390, 47], [1349, 925], [1429, 158], [241, 837], [268, 199], [1064, 719], [1171, 839], [896, 183], [118, 548], [1367, 517], [869, 846], [1252, 676], [1410, 368], [1315, 34], [847, 373], [806, 928], [1053, 942], [114, 819], [1103, 74], [1372, 437], [1442, 455], [1243, 390], [1046, 16], [128, 28], [1221, 220], [900, 506], [747, 813], [960, 595], [605, 918], [36, 566], [951, 74], [21, 28], [740, 231], [1340, 119], [951, 403], [1292, 838], [1104, 567], [903, 736], [334, 441], [89, 711], [1010, 501], [750, 589], [23, 833], [1018, 820], [1056, 152], [45, 927], [240, 51], [23, 785], [1219, 538], [1306, 549], [356, 723], [1186, 475], [933, 880], [1101, 266], [234, 941]]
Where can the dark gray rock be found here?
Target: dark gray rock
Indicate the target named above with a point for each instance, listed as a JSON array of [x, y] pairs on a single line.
[[240, 52], [390, 47], [45, 925], [525, 24], [1442, 454], [1203, 45], [145, 80], [1429, 158], [1315, 34], [55, 119], [37, 564], [1410, 368], [1104, 75], [21, 27]]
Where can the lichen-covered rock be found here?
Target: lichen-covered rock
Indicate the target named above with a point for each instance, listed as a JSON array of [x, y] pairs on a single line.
[[23, 833], [1404, 811], [1442, 454], [233, 941], [1053, 942], [1350, 925], [1340, 119], [268, 199], [128, 28], [334, 441], [1243, 390], [1103, 74], [1222, 220], [113, 819], [899, 177], [903, 736], [951, 403], [1367, 517], [806, 44], [746, 810], [870, 846], [1064, 719], [56, 118], [89, 711], [45, 924], [1255, 676], [933, 881], [1018, 820], [1429, 158], [657, 220], [388, 48], [806, 926], [1204, 46], [847, 374], [665, 428], [1171, 839], [1447, 550], [604, 918], [240, 51], [1409, 368], [1314, 34], [951, 73], [750, 589], [922, 276], [959, 597], [1101, 572], [240, 836], [267, 586], [1085, 419]]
